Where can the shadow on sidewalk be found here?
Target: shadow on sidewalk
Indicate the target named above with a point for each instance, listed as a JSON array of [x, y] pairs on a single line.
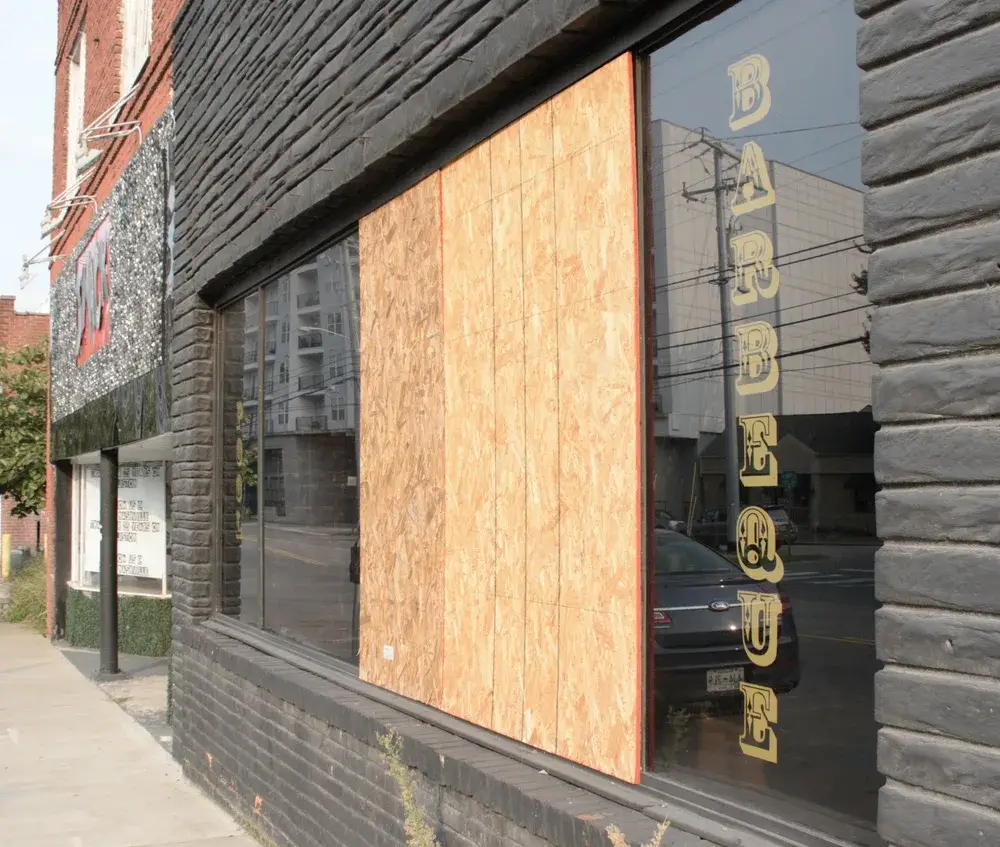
[[141, 691]]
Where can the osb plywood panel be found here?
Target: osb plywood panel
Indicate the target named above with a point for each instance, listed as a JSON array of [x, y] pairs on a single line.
[[541, 675], [402, 445], [528, 335], [508, 698], [470, 442], [508, 315], [541, 463], [598, 372], [597, 692]]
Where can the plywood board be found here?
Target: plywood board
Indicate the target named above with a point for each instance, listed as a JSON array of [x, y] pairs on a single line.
[[599, 432], [508, 315], [525, 332], [402, 445], [541, 470], [470, 452], [508, 667], [541, 675], [597, 692]]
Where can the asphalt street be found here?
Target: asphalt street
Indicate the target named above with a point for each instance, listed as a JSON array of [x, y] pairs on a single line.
[[828, 720], [308, 595], [826, 728]]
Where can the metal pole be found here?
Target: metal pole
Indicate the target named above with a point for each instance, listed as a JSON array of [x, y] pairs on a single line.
[[728, 375], [109, 562]]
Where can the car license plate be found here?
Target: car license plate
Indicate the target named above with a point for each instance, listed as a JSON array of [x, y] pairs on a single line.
[[724, 680]]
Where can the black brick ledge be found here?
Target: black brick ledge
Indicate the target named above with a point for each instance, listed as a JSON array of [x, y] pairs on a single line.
[[249, 725]]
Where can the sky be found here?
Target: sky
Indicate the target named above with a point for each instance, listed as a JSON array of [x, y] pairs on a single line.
[[810, 45], [27, 95]]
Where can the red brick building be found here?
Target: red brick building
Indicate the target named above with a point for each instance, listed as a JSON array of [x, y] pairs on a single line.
[[93, 41], [107, 223], [21, 329]]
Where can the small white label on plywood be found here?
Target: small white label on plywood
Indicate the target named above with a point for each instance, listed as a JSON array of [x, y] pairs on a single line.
[[388, 653]]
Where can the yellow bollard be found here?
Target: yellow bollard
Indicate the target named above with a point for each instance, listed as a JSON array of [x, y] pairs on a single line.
[[5, 557]]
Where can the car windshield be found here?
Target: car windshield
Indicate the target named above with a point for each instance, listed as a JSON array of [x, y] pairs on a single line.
[[678, 554], [777, 513]]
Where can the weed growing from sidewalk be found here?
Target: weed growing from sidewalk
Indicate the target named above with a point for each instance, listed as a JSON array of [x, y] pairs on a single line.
[[618, 837], [27, 595], [419, 832], [254, 831]]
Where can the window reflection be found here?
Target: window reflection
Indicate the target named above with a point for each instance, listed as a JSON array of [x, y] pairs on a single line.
[[310, 459], [239, 593], [761, 571]]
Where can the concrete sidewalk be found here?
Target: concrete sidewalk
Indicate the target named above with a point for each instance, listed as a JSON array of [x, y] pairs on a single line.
[[76, 771]]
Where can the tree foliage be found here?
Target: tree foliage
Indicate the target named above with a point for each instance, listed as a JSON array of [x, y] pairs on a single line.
[[859, 282], [23, 419]]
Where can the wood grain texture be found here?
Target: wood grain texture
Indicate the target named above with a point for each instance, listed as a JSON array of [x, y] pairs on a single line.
[[541, 461], [508, 315], [402, 445], [470, 453], [532, 352], [599, 477]]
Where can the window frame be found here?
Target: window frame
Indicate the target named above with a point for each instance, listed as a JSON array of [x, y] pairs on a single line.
[[267, 414], [137, 40], [76, 113], [693, 792], [716, 816]]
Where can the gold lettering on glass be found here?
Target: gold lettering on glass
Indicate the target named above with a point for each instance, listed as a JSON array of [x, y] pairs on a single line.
[[760, 465], [755, 276], [761, 614], [757, 547], [754, 270], [758, 371], [760, 715], [751, 94], [753, 184]]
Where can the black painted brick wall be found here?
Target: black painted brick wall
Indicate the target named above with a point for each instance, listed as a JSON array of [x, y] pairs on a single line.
[[297, 757], [930, 99]]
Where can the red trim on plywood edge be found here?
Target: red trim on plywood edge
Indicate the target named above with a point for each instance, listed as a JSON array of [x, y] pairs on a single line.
[[640, 398]]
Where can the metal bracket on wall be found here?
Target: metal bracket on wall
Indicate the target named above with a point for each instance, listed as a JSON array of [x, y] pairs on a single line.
[[38, 259], [106, 125]]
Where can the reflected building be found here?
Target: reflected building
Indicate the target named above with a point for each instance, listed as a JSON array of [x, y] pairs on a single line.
[[311, 390], [815, 225]]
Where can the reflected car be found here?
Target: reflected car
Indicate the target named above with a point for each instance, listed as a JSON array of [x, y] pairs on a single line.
[[664, 520], [785, 529], [697, 626], [710, 528]]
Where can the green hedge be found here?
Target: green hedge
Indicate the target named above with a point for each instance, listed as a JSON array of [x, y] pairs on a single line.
[[143, 622]]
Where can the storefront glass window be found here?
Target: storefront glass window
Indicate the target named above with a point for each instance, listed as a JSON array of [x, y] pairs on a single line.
[[143, 524], [239, 588], [761, 585], [310, 467], [307, 465]]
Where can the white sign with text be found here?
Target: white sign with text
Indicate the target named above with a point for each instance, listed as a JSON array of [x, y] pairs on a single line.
[[142, 540]]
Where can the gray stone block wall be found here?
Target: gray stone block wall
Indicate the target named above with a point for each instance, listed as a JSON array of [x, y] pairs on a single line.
[[930, 103]]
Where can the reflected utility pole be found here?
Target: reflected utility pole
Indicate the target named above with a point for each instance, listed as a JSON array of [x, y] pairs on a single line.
[[720, 189]]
